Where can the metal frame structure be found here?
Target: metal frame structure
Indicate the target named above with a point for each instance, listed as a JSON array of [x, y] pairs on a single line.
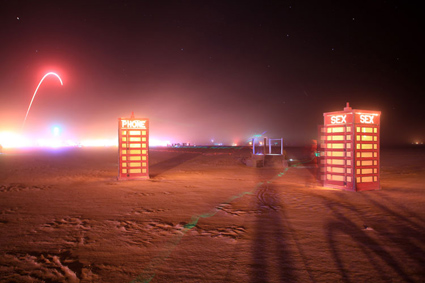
[[270, 146]]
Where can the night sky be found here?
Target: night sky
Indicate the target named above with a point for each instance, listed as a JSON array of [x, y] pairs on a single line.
[[202, 70]]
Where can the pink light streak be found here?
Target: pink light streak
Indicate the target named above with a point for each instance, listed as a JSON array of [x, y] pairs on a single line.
[[35, 92]]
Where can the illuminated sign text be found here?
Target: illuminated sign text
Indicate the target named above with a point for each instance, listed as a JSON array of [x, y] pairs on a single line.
[[366, 119], [338, 119], [133, 124]]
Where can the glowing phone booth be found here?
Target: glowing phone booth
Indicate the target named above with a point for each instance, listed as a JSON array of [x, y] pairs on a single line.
[[350, 149], [133, 148]]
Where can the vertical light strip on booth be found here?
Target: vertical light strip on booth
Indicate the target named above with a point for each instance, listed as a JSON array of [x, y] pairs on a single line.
[[367, 150]]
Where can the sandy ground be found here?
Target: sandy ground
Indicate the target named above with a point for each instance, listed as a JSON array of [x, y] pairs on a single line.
[[205, 217]]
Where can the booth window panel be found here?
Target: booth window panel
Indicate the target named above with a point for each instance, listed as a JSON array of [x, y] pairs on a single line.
[[329, 176], [349, 145], [375, 171], [349, 162], [143, 133], [143, 158], [135, 171], [135, 158], [144, 151], [375, 162], [367, 163], [134, 133], [143, 164], [367, 179], [336, 153], [375, 154], [143, 139], [134, 151], [375, 179], [336, 138], [375, 138], [124, 139], [367, 130], [124, 151], [367, 171], [336, 145], [358, 179], [375, 130], [124, 171], [348, 153], [323, 137], [349, 179], [358, 171], [349, 171], [144, 170], [123, 145], [134, 164], [336, 161], [143, 145], [367, 138], [124, 164], [124, 132], [135, 139], [358, 138], [124, 158], [375, 146], [336, 129], [134, 145], [367, 146], [366, 154], [337, 178], [348, 138], [358, 162], [348, 129], [338, 170]]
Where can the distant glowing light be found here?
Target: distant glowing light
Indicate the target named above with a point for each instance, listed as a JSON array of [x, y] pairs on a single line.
[[99, 142], [56, 131], [10, 140], [157, 142], [35, 92]]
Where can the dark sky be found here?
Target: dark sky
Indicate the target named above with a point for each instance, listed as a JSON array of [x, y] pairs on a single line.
[[202, 70]]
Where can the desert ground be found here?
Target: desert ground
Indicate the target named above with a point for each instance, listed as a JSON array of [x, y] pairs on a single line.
[[204, 216]]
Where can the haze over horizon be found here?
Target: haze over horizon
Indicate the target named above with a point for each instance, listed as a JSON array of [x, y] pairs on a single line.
[[218, 70]]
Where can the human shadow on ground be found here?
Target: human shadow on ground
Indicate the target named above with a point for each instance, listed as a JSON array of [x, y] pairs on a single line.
[[168, 164], [375, 251], [271, 255], [303, 157]]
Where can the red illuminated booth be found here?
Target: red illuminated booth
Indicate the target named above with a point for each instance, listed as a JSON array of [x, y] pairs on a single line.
[[133, 147], [350, 149]]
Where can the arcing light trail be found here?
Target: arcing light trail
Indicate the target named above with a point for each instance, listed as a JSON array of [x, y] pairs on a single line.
[[35, 92]]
